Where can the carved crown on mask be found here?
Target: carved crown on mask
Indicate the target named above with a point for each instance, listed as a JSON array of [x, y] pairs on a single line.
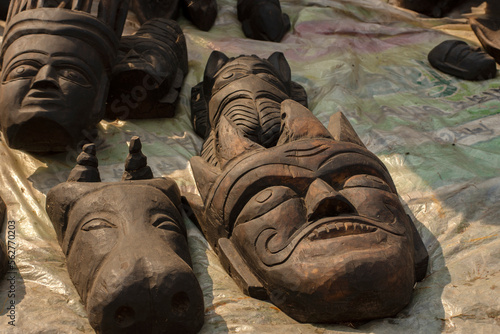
[[71, 18]]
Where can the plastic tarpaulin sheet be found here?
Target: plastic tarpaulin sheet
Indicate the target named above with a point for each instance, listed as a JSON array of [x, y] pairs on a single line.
[[439, 137]]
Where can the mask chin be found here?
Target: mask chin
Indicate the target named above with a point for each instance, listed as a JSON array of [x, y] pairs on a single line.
[[40, 134]]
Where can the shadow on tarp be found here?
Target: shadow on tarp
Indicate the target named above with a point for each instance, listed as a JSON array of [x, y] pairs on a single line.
[[12, 292], [214, 323]]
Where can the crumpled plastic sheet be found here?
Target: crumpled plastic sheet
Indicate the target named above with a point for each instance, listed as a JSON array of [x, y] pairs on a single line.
[[439, 137]]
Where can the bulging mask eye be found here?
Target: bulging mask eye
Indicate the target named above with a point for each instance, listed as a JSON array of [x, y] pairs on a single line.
[[97, 224], [265, 201]]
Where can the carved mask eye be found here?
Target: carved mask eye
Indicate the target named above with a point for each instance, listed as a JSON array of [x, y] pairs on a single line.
[[22, 71], [265, 201], [97, 224], [166, 223], [73, 75]]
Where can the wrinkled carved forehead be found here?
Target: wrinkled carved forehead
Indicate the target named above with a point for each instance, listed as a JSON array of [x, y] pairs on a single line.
[[49, 21], [64, 197], [54, 49], [130, 208], [244, 66], [295, 165]]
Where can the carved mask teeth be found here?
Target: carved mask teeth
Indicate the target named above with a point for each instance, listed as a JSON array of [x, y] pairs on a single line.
[[339, 229]]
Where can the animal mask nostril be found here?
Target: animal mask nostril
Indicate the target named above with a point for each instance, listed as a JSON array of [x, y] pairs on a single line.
[[330, 207], [124, 316], [180, 303], [324, 201]]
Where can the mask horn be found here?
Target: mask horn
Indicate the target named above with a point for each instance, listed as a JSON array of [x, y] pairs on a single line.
[[86, 166], [231, 142], [136, 163], [298, 122], [342, 130]]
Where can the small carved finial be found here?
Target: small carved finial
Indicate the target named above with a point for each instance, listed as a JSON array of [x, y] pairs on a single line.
[[136, 164], [86, 166]]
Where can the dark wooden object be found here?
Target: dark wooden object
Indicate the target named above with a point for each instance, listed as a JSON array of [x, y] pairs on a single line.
[[126, 248], [4, 7], [248, 91], [459, 59], [487, 29], [4, 259], [305, 216], [149, 73], [146, 10], [434, 8], [201, 12], [56, 64], [263, 19]]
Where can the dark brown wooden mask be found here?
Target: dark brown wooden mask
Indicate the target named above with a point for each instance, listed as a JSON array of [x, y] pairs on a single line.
[[126, 248], [247, 90], [56, 64], [149, 73], [314, 223]]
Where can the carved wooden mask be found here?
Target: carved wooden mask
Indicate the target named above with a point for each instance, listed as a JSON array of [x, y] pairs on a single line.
[[149, 72], [313, 222], [246, 89], [56, 61], [126, 248]]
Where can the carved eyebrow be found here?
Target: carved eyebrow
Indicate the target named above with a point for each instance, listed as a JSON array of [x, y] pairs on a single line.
[[234, 66], [72, 55], [70, 234], [80, 61], [265, 67], [13, 60]]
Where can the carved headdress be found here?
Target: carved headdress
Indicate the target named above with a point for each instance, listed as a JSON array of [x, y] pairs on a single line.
[[70, 18]]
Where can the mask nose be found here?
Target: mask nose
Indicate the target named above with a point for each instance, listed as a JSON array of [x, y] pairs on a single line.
[[324, 201], [145, 293], [132, 54], [45, 79]]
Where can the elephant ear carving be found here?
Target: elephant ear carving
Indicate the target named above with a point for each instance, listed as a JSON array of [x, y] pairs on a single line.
[[295, 90], [199, 111], [279, 62], [215, 62]]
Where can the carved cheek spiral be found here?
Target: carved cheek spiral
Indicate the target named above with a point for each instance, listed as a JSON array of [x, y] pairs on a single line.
[[276, 242]]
